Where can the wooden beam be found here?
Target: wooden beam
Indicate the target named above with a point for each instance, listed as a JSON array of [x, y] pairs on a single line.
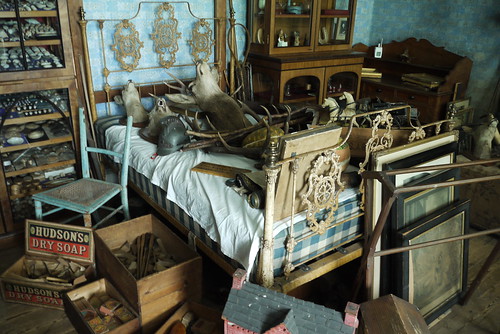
[[318, 268]]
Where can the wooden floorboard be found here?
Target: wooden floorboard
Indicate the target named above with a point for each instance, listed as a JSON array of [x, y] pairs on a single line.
[[480, 316], [20, 318]]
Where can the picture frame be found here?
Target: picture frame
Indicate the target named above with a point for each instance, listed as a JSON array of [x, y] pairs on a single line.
[[458, 104], [411, 207], [463, 116], [342, 29], [435, 278], [379, 160]]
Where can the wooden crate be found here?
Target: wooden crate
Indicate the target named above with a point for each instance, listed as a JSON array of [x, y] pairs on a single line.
[[100, 286], [154, 297], [47, 241], [199, 311]]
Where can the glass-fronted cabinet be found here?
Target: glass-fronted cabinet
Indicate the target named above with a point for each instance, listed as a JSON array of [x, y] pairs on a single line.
[[37, 147], [286, 26], [335, 24], [31, 39]]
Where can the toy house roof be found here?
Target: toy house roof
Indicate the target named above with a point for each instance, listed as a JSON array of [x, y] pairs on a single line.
[[258, 309]]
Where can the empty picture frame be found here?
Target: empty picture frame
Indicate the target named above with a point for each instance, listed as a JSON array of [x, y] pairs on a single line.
[[407, 210], [434, 278], [374, 199], [410, 207]]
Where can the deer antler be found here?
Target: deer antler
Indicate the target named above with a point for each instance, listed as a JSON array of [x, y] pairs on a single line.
[[226, 133], [193, 124], [183, 89]]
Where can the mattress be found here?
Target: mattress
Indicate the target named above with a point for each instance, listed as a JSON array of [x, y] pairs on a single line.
[[215, 213]]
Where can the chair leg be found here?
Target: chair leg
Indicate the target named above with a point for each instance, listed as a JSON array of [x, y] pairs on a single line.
[[38, 210], [87, 220], [126, 211]]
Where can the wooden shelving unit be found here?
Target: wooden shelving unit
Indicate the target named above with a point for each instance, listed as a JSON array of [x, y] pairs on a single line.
[[314, 55], [21, 85]]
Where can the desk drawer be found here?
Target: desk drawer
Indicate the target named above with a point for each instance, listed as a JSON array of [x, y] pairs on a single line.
[[373, 90], [412, 98]]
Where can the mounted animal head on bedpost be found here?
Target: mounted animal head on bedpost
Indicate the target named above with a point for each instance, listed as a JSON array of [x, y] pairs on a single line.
[[131, 100], [222, 111], [159, 111]]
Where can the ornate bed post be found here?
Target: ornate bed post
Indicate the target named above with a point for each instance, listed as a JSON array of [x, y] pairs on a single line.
[[87, 74], [265, 275]]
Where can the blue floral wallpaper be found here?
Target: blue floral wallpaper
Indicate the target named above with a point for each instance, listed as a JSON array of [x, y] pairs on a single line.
[[468, 28]]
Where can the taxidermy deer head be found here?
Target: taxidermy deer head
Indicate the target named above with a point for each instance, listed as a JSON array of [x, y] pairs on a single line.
[[223, 112], [131, 100], [159, 111]]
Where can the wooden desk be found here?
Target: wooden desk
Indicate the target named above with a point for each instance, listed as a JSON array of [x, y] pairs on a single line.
[[422, 57]]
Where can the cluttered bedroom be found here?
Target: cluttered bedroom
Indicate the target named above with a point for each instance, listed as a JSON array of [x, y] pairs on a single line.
[[249, 166]]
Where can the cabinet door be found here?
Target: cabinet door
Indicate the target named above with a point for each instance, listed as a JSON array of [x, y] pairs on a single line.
[[340, 79], [335, 24], [35, 40], [301, 85], [281, 27]]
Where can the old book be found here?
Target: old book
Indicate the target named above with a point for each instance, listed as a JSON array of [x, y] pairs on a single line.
[[370, 72], [423, 79]]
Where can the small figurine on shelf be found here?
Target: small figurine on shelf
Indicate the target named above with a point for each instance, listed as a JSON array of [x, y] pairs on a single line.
[[262, 6], [296, 38], [323, 39], [282, 39]]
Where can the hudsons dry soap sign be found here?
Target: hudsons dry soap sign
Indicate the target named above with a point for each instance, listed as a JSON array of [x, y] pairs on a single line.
[[68, 241], [27, 294]]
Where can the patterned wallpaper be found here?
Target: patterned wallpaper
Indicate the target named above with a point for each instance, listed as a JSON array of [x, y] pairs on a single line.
[[468, 28], [142, 15]]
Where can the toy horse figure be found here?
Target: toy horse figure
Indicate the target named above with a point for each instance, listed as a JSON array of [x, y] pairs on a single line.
[[333, 107], [350, 108]]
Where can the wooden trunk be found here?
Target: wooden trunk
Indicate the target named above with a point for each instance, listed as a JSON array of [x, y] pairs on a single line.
[[97, 287], [155, 296], [47, 241]]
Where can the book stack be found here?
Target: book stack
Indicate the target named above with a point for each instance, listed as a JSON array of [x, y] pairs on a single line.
[[368, 72], [423, 79]]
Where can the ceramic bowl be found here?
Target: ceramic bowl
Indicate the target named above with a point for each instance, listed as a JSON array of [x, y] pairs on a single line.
[[15, 140]]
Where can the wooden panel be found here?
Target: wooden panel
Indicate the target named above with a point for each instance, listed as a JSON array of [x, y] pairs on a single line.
[[296, 144]]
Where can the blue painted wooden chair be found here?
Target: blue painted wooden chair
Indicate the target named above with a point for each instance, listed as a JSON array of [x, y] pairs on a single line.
[[87, 195]]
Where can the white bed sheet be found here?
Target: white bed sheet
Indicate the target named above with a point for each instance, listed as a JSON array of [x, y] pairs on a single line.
[[225, 215]]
